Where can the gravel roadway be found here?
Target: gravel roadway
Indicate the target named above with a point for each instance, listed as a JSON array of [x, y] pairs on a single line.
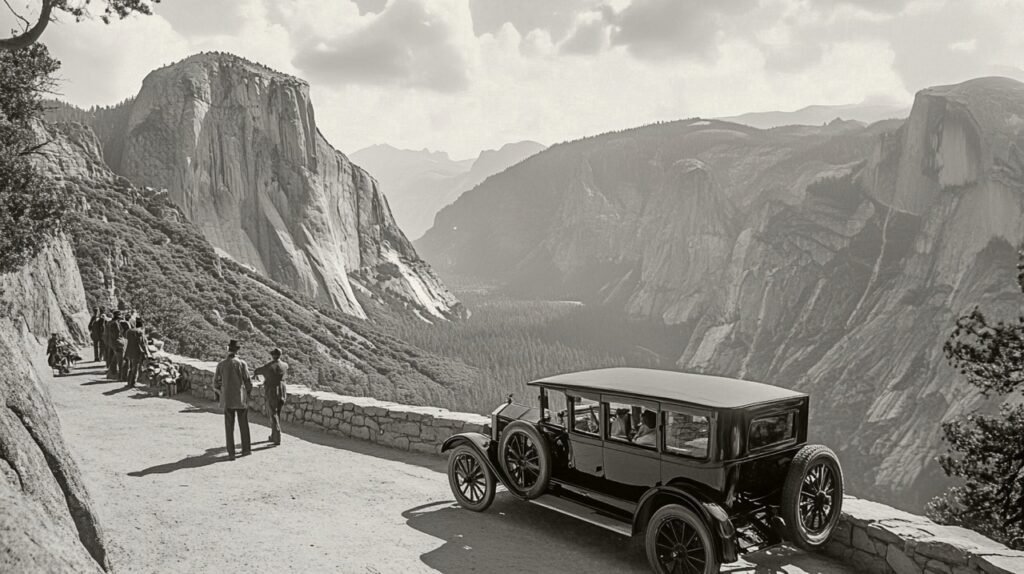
[[170, 501]]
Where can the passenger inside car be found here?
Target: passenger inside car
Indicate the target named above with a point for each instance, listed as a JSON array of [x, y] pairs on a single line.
[[620, 424], [645, 434]]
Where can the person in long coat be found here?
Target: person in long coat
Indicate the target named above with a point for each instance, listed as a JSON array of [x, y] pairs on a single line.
[[136, 351], [94, 335], [111, 331], [232, 382], [96, 331], [120, 346], [273, 387]]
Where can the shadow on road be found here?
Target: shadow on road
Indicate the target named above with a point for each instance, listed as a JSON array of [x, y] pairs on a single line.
[[100, 382], [516, 536], [211, 456], [519, 536], [118, 390]]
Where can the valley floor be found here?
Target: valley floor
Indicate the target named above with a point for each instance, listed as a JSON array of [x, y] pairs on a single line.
[[171, 502]]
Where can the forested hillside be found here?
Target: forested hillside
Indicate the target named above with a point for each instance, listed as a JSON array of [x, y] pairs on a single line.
[[135, 247]]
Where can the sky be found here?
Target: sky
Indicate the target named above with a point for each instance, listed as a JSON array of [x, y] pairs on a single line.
[[465, 75]]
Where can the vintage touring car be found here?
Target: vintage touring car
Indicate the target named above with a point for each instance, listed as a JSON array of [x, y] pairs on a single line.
[[698, 468]]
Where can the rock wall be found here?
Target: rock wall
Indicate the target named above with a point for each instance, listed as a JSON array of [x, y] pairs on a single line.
[[405, 427], [871, 537], [882, 540], [237, 146], [47, 523]]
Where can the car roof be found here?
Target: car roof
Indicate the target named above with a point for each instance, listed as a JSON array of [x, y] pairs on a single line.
[[707, 390]]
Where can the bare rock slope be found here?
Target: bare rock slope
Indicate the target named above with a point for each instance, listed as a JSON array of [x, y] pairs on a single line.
[[47, 523], [237, 146], [831, 259]]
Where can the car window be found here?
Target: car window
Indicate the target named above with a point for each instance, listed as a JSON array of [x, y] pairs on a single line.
[[771, 429], [633, 424], [586, 416], [557, 409], [687, 434]]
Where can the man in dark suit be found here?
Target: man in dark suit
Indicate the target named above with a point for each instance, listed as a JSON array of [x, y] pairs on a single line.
[[233, 383], [136, 351], [273, 387], [111, 331], [96, 329], [96, 318]]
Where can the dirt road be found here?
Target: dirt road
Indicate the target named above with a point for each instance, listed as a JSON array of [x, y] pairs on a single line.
[[170, 501]]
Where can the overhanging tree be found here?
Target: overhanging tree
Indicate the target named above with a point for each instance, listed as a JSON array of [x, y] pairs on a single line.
[[80, 10], [987, 451]]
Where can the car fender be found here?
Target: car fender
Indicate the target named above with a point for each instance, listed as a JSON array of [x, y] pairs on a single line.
[[482, 444], [713, 514]]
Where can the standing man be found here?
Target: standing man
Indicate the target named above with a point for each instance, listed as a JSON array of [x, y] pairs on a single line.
[[233, 384], [273, 387], [93, 335], [111, 331], [96, 332], [136, 351]]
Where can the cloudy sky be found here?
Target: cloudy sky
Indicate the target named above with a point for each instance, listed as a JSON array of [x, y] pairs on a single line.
[[461, 75]]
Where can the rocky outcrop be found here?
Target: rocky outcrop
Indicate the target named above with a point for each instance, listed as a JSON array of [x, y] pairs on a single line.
[[237, 147], [830, 259], [47, 523]]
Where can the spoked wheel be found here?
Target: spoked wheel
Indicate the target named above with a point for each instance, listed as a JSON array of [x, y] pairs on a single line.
[[525, 457], [679, 542], [472, 482], [812, 496]]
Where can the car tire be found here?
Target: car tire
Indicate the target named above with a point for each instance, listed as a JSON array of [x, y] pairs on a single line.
[[812, 496], [525, 458], [470, 479], [677, 540]]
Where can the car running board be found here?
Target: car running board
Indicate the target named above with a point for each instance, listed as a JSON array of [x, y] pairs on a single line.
[[584, 513]]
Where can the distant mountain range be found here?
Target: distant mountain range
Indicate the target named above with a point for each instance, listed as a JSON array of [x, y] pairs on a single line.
[[832, 258], [419, 183], [819, 115]]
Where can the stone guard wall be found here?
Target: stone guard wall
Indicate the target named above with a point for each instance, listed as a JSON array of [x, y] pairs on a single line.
[[871, 537]]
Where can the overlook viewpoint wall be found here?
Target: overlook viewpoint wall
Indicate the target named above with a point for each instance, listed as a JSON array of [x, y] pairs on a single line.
[[873, 538]]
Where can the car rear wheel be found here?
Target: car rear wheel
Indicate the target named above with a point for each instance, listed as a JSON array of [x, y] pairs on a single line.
[[471, 480], [812, 496], [525, 456], [679, 542]]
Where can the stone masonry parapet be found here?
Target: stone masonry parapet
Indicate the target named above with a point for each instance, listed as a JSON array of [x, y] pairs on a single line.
[[871, 537]]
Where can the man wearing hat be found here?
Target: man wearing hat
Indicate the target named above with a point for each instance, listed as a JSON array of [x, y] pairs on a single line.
[[111, 331], [273, 387], [233, 384]]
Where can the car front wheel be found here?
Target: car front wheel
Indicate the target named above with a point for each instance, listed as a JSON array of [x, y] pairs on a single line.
[[679, 542], [812, 496], [471, 480]]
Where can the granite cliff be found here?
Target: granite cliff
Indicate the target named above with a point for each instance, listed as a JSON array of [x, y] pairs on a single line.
[[830, 259], [47, 523], [237, 147]]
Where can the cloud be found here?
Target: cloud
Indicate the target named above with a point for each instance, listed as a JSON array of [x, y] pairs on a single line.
[[204, 17], [660, 29], [556, 17], [589, 37], [409, 44]]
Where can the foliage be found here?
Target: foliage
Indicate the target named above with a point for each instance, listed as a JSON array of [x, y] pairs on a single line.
[[514, 341], [31, 207], [987, 451]]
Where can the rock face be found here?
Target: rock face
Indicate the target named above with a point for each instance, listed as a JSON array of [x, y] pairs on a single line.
[[833, 260], [47, 523], [237, 146], [420, 183]]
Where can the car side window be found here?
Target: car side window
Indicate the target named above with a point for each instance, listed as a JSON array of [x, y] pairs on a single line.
[[771, 429], [632, 424], [557, 409], [586, 416], [687, 434]]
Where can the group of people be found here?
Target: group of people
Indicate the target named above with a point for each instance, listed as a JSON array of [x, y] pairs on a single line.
[[60, 353], [119, 339], [233, 386]]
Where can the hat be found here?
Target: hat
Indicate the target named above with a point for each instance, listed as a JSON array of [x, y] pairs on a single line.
[[276, 352], [233, 345]]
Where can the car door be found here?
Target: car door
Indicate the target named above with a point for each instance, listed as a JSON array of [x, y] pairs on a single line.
[[631, 462], [586, 458]]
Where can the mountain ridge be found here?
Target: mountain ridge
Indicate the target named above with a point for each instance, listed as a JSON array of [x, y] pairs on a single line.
[[832, 259]]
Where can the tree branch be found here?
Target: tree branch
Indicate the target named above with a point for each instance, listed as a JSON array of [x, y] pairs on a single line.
[[33, 34], [16, 15]]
